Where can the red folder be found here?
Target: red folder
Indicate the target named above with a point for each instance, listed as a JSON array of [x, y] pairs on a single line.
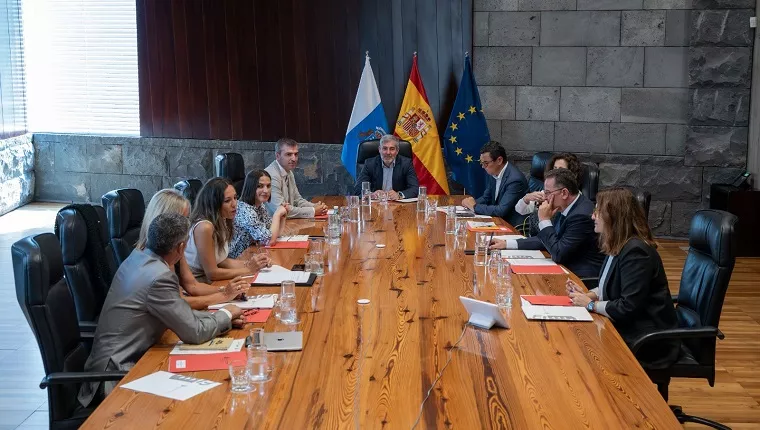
[[290, 245], [497, 229], [538, 270], [549, 300], [257, 315], [199, 362], [321, 217]]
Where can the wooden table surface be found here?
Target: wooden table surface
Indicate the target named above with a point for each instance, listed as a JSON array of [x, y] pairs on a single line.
[[370, 366]]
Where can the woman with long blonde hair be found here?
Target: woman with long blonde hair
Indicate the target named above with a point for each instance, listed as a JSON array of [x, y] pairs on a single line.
[[197, 294], [633, 289]]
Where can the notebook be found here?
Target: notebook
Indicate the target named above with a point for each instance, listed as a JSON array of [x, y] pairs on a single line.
[[554, 313], [216, 344], [548, 300], [197, 363], [538, 270]]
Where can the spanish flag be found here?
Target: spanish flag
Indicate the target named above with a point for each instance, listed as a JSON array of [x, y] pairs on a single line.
[[416, 125]]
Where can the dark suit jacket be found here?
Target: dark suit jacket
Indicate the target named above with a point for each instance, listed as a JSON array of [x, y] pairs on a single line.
[[639, 301], [512, 188], [404, 176], [573, 243]]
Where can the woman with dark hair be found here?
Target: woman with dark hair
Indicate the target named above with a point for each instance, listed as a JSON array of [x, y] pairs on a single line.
[[252, 223], [633, 289], [208, 245]]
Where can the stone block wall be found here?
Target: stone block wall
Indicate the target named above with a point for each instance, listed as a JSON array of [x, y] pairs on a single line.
[[81, 168], [655, 91], [16, 172]]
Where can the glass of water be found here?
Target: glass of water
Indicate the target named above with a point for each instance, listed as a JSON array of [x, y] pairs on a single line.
[[494, 266], [451, 220], [422, 199], [354, 209], [288, 306], [383, 197], [481, 248], [258, 367], [432, 206], [315, 264], [239, 376]]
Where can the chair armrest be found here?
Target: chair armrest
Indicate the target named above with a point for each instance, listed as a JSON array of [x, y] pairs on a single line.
[[590, 283], [674, 298], [676, 333], [87, 326], [59, 378]]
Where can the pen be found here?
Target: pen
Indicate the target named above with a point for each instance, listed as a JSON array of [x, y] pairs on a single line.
[[490, 239]]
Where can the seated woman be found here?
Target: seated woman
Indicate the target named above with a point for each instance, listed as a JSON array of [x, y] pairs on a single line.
[[565, 160], [633, 289], [208, 245], [197, 294], [253, 224]]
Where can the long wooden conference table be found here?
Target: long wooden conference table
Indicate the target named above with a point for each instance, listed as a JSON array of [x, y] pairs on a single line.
[[370, 366]]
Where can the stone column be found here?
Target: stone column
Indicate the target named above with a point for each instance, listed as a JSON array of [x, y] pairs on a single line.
[[753, 149]]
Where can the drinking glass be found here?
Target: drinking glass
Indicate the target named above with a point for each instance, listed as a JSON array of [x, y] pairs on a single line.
[[315, 264], [288, 310], [345, 214], [494, 266], [481, 248], [461, 229], [422, 199], [432, 206], [451, 219], [258, 366], [366, 194], [383, 197], [317, 245], [354, 208], [239, 376]]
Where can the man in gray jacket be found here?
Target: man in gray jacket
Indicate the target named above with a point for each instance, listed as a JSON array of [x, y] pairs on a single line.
[[144, 301], [284, 188]]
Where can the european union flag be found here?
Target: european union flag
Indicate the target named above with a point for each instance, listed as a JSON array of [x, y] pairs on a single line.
[[466, 132]]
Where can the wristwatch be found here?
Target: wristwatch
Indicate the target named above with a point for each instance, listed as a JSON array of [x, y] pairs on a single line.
[[591, 307]]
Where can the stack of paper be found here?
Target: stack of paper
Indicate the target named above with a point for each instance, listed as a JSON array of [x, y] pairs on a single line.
[[198, 360], [165, 384], [264, 301], [507, 237], [520, 254], [277, 274], [556, 313], [409, 200], [534, 266], [236, 345], [486, 226], [463, 212], [300, 241]]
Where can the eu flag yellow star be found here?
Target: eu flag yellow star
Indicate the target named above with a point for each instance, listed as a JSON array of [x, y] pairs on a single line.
[[453, 126], [460, 116], [468, 158], [472, 109], [453, 139], [458, 151]]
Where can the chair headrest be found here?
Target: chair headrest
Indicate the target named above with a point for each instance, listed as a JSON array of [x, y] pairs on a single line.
[[538, 164], [37, 264], [125, 209], [371, 148], [710, 234], [230, 165], [189, 188], [73, 233]]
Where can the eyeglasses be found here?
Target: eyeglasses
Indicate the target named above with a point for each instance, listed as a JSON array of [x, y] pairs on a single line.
[[485, 163], [546, 193]]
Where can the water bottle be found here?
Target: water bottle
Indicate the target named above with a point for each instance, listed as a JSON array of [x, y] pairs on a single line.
[[366, 194], [334, 227], [422, 200], [258, 368]]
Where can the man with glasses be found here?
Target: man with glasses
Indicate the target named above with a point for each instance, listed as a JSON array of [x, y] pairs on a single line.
[[506, 185], [566, 229]]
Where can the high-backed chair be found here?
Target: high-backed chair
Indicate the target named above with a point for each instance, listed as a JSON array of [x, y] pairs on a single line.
[[189, 188], [590, 181], [125, 209], [371, 148], [704, 281], [537, 169], [644, 198], [87, 276], [230, 165], [49, 309]]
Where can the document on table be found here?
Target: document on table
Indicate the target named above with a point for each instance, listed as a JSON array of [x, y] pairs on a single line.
[[531, 262], [509, 237], [277, 274], [264, 301], [554, 313], [463, 212], [521, 254], [237, 345], [165, 384], [295, 238], [409, 200]]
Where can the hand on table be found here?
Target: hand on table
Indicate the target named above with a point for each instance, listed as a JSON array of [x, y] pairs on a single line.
[[259, 261], [469, 203], [238, 323], [234, 310], [320, 209], [235, 287], [392, 195], [498, 244]]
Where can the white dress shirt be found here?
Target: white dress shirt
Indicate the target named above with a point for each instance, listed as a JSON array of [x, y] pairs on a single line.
[[601, 305], [498, 182], [512, 243]]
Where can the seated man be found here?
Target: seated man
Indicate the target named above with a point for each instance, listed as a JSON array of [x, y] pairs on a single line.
[[284, 188], [144, 301], [505, 186], [389, 172], [566, 229]]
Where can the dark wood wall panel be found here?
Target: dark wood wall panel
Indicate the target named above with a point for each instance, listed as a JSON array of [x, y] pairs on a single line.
[[12, 81], [261, 69]]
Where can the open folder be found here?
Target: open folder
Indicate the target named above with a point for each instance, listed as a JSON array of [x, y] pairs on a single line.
[[277, 274], [554, 313]]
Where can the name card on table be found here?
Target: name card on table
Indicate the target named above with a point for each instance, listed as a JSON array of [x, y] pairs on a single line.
[[165, 384]]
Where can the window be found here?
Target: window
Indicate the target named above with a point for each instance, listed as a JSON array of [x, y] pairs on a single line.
[[81, 66]]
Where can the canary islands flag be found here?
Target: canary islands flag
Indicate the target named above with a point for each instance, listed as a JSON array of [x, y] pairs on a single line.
[[416, 125], [466, 132], [367, 119]]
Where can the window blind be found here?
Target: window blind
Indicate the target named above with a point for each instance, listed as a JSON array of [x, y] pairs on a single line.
[[81, 66]]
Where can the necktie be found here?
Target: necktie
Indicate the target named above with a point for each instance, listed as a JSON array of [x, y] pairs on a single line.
[[286, 194], [560, 221]]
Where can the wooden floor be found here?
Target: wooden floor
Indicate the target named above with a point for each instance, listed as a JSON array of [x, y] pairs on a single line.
[[734, 401]]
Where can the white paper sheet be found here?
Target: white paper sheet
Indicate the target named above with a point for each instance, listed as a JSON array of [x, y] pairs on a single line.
[[409, 200], [173, 386], [480, 224], [531, 262], [508, 237], [236, 345], [295, 238], [554, 313], [521, 254], [264, 301]]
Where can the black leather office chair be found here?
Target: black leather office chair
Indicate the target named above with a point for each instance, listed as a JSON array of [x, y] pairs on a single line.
[[125, 209], [231, 166], [704, 281], [189, 188], [590, 181], [49, 309], [371, 148], [537, 169], [645, 200], [87, 280]]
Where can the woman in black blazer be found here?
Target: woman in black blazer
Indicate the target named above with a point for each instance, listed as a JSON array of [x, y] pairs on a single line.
[[633, 289]]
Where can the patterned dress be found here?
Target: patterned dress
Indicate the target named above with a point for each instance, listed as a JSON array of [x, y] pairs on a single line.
[[251, 226]]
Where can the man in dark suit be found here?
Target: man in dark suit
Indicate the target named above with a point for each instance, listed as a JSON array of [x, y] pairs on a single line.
[[389, 172], [505, 185], [566, 229]]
